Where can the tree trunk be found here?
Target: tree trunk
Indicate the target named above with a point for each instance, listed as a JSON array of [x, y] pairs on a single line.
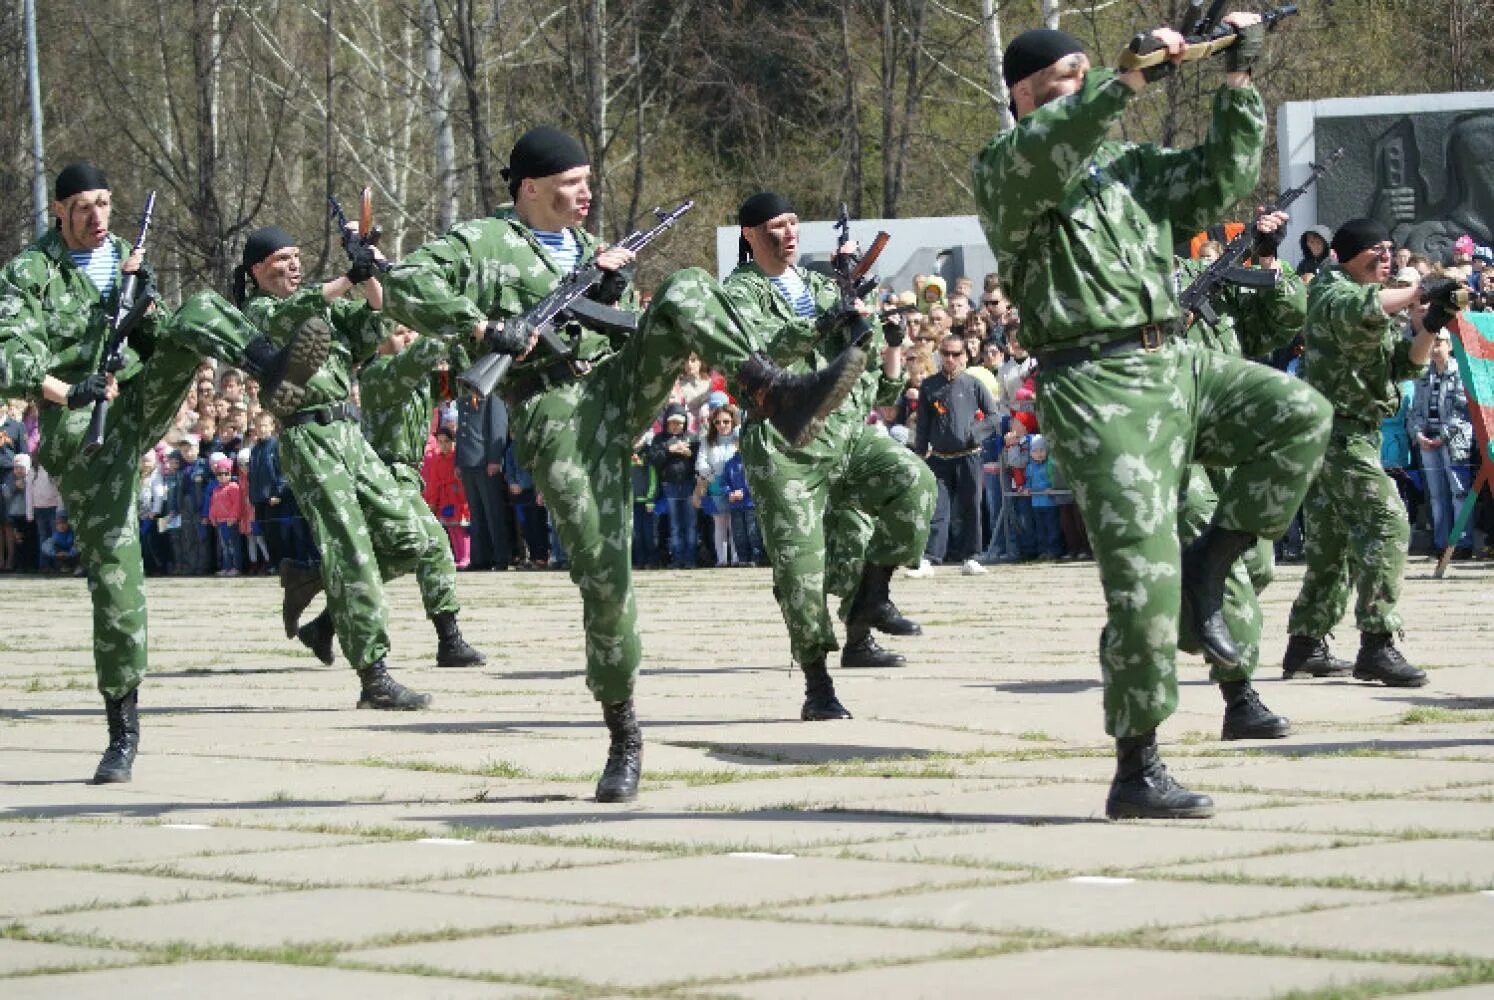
[[991, 31], [468, 42], [594, 125], [851, 115], [207, 212], [438, 111]]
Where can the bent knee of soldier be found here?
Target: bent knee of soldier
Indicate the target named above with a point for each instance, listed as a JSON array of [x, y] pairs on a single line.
[[1305, 409]]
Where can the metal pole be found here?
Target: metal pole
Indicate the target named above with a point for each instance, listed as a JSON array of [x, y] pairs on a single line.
[[38, 154]]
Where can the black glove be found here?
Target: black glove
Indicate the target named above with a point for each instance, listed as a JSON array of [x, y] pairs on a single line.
[[892, 331], [1266, 244], [834, 318], [1239, 57], [611, 287], [90, 390], [504, 338], [363, 265], [1446, 292]]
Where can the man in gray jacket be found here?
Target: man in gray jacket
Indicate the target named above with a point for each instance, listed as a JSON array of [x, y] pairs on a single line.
[[482, 439], [1443, 433]]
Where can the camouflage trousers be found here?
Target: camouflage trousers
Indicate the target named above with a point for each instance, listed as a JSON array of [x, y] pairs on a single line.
[[577, 440], [1197, 501], [367, 528], [436, 571], [860, 469], [1125, 429], [101, 491], [1356, 532]]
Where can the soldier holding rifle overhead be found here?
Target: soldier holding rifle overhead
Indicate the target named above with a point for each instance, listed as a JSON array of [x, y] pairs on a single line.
[[67, 337], [575, 412], [1082, 227]]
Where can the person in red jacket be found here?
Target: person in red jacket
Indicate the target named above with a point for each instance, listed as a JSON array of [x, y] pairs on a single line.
[[443, 494]]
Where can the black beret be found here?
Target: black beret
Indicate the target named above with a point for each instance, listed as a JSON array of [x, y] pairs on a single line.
[[76, 177], [1356, 236], [1034, 50], [541, 152], [263, 242]]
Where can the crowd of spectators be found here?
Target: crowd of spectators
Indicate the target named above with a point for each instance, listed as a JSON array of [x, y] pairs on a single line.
[[213, 498]]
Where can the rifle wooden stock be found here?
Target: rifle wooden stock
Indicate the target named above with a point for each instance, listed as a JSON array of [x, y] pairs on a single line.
[[1145, 51]]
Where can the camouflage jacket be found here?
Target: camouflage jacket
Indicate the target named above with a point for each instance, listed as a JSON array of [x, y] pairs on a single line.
[[795, 343], [54, 322], [490, 268], [1082, 226], [357, 331], [1253, 322], [1355, 352], [398, 403]]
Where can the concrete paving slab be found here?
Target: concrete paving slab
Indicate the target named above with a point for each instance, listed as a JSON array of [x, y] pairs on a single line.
[[1481, 992], [1081, 905], [255, 981], [29, 956], [1055, 801], [43, 890], [654, 952], [1444, 925], [337, 916], [62, 844], [726, 880], [1092, 973], [1086, 847], [1448, 864], [1370, 816], [400, 861], [1351, 775]]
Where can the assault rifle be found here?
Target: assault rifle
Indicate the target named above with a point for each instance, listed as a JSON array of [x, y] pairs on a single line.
[[1202, 30], [366, 235], [565, 302], [1226, 267], [851, 274], [125, 316]]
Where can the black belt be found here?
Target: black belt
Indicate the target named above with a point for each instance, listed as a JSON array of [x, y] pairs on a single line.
[[519, 390], [324, 415], [1151, 337], [954, 454]]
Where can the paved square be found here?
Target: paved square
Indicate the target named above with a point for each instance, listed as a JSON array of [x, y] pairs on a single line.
[[947, 842]]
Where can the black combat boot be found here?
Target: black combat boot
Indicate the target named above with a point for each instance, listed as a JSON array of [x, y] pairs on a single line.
[[300, 584], [820, 703], [872, 606], [863, 650], [798, 404], [1306, 655], [1206, 564], [124, 739], [283, 372], [1246, 717], [1143, 789], [624, 756], [318, 635], [382, 691], [451, 649], [1379, 660]]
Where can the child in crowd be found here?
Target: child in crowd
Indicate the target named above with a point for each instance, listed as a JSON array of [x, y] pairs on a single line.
[[193, 488], [645, 497], [207, 435], [14, 496], [672, 454], [710, 463], [43, 513], [533, 520], [171, 512], [1049, 535], [746, 538], [61, 549], [443, 494], [1016, 456], [149, 507], [256, 551], [223, 511]]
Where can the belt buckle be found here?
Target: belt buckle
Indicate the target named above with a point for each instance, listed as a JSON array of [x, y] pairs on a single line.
[[1152, 337]]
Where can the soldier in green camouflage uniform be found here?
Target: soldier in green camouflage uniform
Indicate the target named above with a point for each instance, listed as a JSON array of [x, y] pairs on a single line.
[[1253, 322], [365, 526], [573, 423], [55, 303], [395, 390], [1353, 519], [1082, 227], [850, 475]]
